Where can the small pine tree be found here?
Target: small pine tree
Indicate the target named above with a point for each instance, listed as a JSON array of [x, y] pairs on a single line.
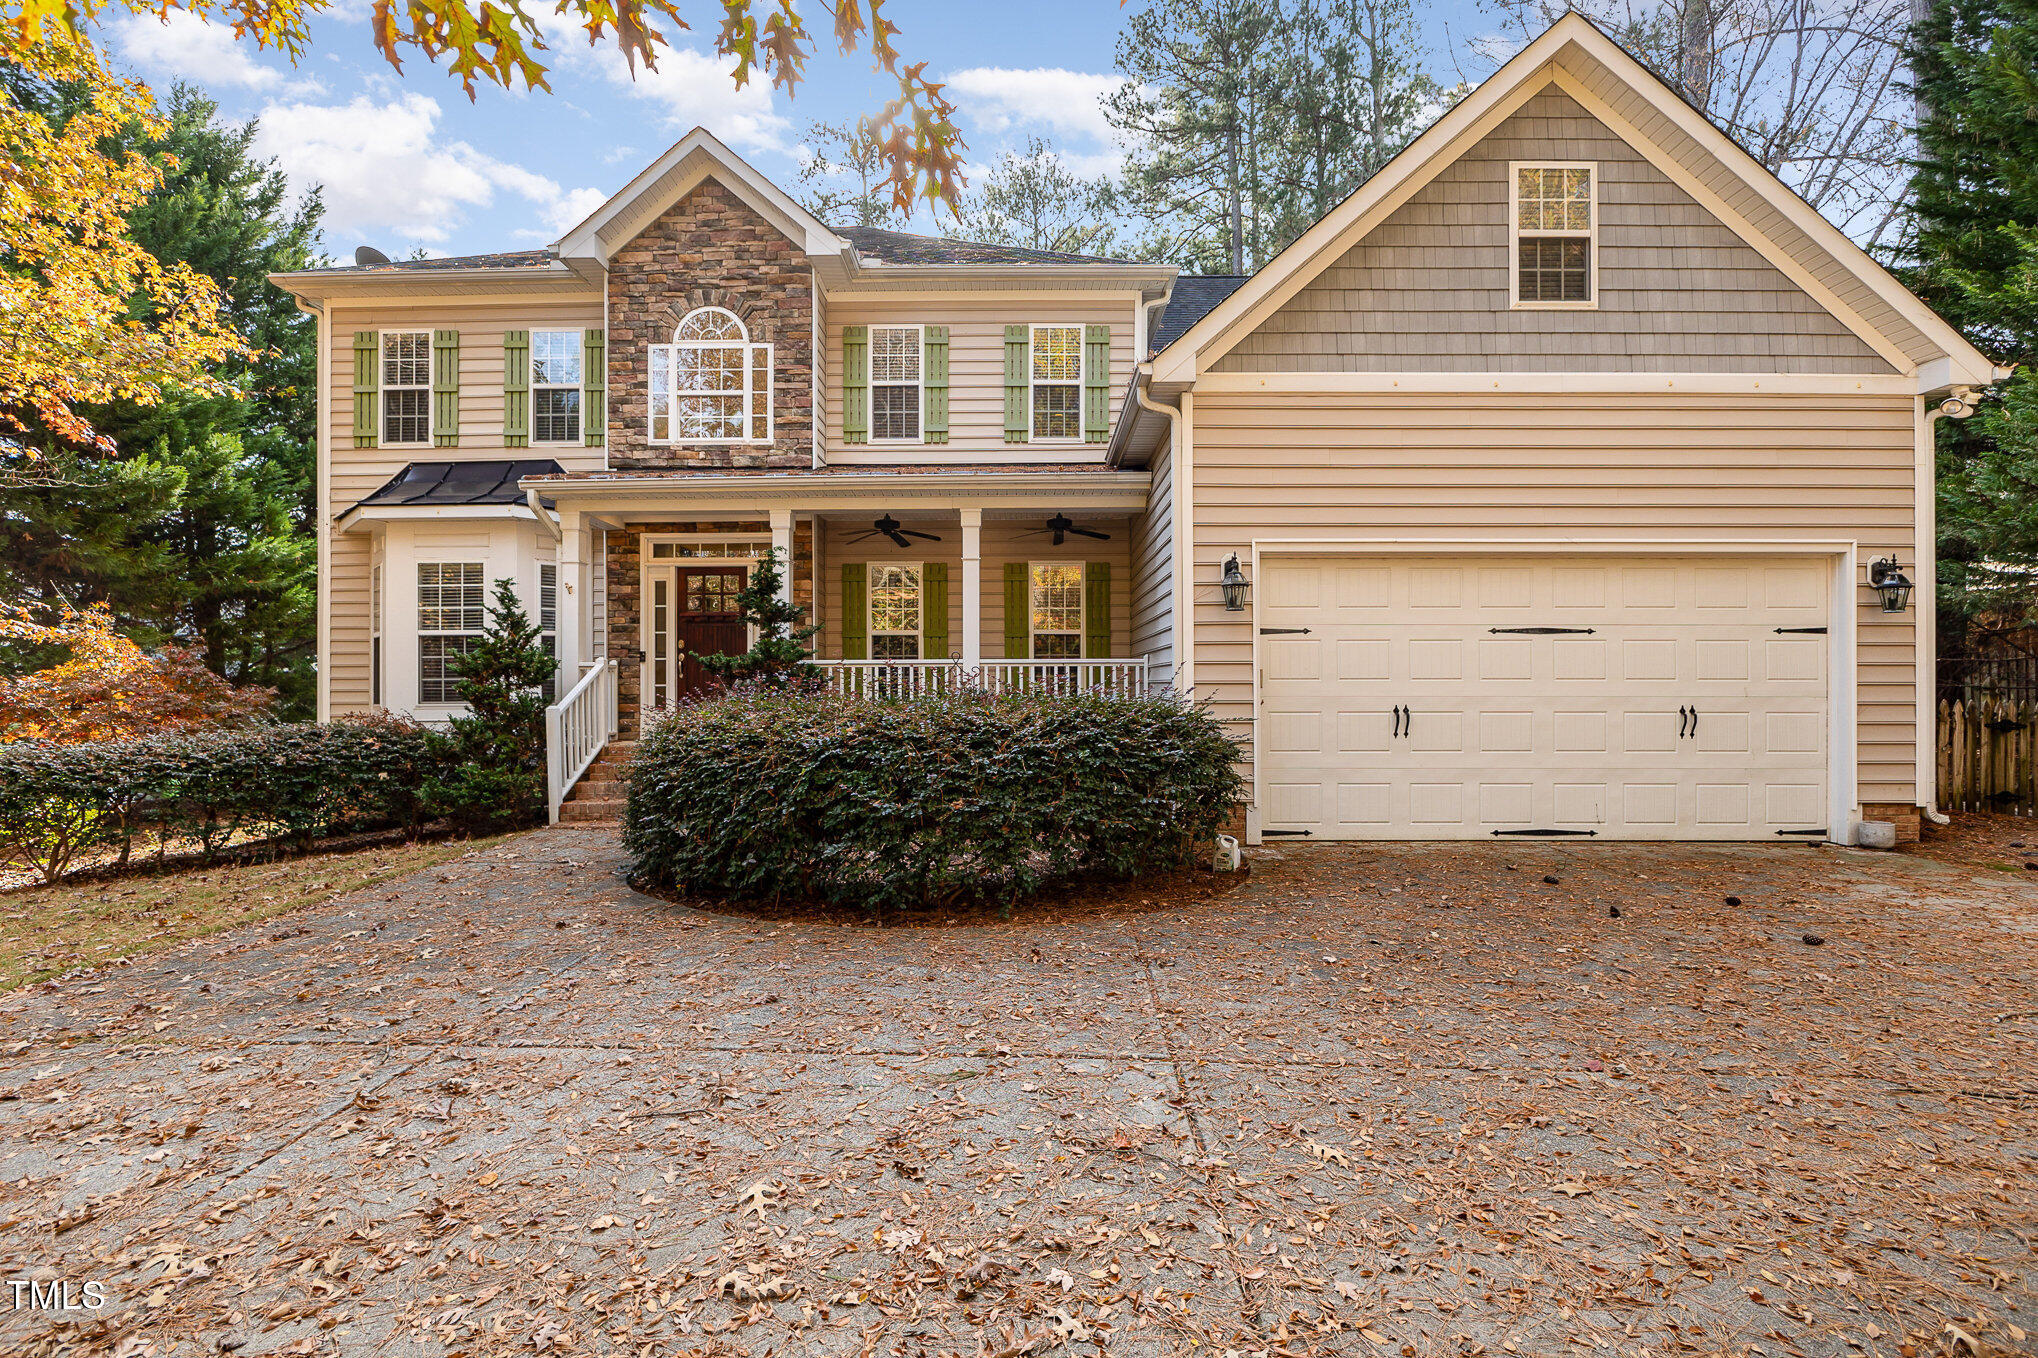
[[492, 761], [779, 656]]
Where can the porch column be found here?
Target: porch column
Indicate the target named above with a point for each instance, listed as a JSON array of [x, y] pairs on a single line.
[[571, 602], [972, 587], [782, 539]]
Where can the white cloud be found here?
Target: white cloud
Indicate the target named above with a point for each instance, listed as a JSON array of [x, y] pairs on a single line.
[[387, 179], [689, 89], [184, 46], [1000, 99]]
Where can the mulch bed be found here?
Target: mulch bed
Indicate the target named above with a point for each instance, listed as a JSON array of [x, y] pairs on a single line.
[[1981, 839]]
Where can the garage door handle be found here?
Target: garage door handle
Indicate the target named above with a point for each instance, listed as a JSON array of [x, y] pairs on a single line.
[[1694, 723], [1683, 720], [1400, 716]]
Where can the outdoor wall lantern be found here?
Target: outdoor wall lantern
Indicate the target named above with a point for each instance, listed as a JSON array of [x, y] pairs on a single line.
[[1891, 583], [1234, 585]]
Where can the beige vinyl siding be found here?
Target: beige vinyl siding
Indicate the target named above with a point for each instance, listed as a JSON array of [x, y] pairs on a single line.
[[357, 472], [1153, 572], [976, 370], [1546, 469], [1428, 289], [1003, 540]]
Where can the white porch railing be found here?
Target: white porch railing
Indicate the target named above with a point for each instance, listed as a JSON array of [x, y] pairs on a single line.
[[577, 727], [906, 678]]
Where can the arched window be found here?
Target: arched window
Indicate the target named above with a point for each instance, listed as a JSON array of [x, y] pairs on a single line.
[[711, 384]]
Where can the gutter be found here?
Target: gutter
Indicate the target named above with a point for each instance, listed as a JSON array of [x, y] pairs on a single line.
[[543, 515]]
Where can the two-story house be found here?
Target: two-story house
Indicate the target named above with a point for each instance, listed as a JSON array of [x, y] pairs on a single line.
[[1554, 483]]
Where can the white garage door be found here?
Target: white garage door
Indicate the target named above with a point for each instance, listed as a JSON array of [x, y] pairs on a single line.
[[1467, 697]]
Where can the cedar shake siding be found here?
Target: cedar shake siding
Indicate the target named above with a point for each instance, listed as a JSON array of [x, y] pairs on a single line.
[[711, 249], [1427, 290]]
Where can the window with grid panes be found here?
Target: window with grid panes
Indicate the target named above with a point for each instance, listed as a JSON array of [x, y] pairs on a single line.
[[1553, 207], [711, 384], [895, 383], [406, 386], [555, 386], [1057, 609], [894, 611], [451, 617], [1057, 381]]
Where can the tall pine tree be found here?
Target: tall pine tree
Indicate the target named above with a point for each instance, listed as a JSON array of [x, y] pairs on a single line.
[[1973, 253]]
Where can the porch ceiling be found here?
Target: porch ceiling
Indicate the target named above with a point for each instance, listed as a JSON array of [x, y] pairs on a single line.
[[991, 489]]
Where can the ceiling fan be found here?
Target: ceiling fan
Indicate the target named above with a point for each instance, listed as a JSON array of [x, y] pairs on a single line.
[[897, 532], [1061, 525]]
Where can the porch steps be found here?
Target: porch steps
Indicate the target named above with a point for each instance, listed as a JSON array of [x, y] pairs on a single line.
[[598, 796]]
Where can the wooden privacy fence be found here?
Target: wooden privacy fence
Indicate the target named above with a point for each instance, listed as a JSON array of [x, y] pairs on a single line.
[[1988, 756]]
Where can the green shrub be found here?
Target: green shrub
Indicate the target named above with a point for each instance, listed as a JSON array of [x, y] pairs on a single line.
[[298, 782], [926, 800]]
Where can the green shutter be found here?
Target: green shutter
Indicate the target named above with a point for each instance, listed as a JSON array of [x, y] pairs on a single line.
[[1018, 375], [1018, 607], [855, 611], [516, 388], [934, 382], [1096, 383], [934, 611], [1097, 610], [856, 384], [446, 388], [594, 387], [367, 371]]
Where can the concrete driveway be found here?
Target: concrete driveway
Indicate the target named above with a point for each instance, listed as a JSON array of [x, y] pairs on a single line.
[[1380, 1100]]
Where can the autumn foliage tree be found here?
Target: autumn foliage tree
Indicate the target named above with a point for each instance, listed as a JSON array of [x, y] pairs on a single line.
[[104, 687], [87, 316]]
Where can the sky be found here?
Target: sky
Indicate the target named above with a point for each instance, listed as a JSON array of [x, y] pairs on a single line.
[[406, 162]]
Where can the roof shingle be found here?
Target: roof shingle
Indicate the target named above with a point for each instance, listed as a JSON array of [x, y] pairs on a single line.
[[903, 247], [1194, 297]]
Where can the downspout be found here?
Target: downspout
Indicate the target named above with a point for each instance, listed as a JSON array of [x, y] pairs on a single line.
[[543, 515], [1957, 404], [1177, 586]]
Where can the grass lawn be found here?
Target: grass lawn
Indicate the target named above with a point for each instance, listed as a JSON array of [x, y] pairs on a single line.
[[47, 930]]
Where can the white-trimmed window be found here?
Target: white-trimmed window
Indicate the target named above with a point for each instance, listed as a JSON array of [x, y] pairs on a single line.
[[895, 611], [1057, 382], [711, 384], [895, 400], [406, 388], [1556, 220], [451, 616], [1056, 606], [555, 386]]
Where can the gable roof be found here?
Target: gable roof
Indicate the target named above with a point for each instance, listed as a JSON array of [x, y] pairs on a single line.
[[876, 245], [672, 176], [1576, 57]]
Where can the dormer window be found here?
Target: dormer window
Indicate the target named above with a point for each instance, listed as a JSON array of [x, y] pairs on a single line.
[[1556, 219], [711, 384]]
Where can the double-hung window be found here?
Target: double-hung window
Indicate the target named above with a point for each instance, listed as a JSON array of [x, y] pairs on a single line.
[[1057, 610], [894, 611], [711, 384], [895, 383], [450, 623], [406, 387], [1555, 220], [555, 386], [1057, 381]]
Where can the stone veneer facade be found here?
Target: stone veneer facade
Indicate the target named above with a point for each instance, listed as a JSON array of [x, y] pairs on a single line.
[[710, 249], [625, 548]]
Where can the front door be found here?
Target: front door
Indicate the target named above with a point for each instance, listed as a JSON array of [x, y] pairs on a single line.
[[693, 613]]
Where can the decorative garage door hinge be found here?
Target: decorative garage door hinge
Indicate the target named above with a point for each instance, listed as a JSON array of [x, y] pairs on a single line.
[[1284, 631], [1801, 631], [1540, 632], [1264, 834], [1545, 834], [1820, 833]]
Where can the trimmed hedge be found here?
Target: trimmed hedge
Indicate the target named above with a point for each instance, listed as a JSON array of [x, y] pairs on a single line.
[[918, 801], [298, 782]]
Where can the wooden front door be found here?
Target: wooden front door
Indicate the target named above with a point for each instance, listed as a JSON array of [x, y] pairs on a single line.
[[706, 621]]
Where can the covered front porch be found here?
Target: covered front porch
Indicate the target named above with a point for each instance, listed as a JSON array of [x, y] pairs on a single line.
[[918, 580]]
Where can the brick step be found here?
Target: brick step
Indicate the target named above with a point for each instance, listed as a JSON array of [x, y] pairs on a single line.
[[585, 812]]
